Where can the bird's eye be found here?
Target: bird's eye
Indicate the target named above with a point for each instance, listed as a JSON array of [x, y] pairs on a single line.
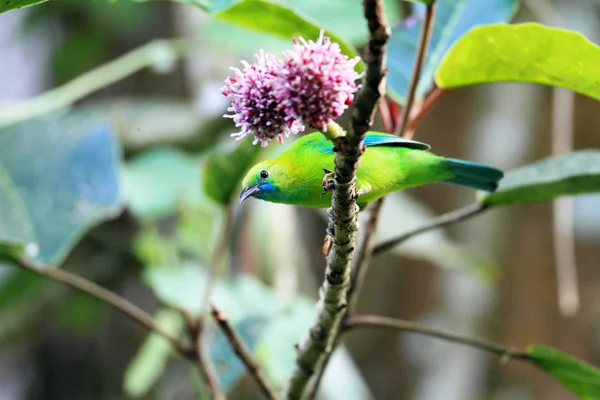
[[264, 174]]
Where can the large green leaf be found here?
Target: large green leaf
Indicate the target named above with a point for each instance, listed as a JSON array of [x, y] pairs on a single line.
[[224, 171], [579, 377], [7, 5], [279, 20], [568, 174], [527, 52], [453, 18], [151, 359], [58, 177]]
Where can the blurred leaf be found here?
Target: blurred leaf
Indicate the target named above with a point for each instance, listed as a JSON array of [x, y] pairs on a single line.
[[58, 177], [401, 213], [452, 19], [528, 52], [227, 363], [159, 181], [18, 286], [279, 20], [88, 46], [11, 251], [151, 248], [147, 366], [81, 314], [568, 174], [224, 171], [345, 17], [195, 231], [275, 351], [181, 287], [6, 5], [579, 377], [274, 323], [147, 121]]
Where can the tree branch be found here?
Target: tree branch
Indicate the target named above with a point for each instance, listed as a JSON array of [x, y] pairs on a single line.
[[343, 212], [375, 321], [416, 73], [243, 353], [110, 298], [365, 252], [438, 222]]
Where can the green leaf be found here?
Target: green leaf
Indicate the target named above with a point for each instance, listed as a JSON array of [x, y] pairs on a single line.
[[281, 21], [160, 181], [150, 361], [528, 52], [151, 121], [568, 174], [58, 177], [452, 19], [579, 377], [224, 171], [7, 5]]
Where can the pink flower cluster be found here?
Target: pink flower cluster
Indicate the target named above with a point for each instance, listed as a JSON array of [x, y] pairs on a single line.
[[313, 85]]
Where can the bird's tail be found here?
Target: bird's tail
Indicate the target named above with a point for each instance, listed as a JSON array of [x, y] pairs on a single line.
[[474, 175]]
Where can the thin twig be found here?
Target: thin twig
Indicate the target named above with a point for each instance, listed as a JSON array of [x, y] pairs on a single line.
[[418, 66], [205, 363], [375, 321], [218, 257], [243, 353], [430, 101], [314, 350], [438, 222], [207, 368], [151, 54], [123, 305]]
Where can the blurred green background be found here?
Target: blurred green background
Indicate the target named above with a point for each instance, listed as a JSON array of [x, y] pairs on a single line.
[[492, 277]]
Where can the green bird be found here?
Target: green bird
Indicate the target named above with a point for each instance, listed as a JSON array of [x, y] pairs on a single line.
[[389, 164]]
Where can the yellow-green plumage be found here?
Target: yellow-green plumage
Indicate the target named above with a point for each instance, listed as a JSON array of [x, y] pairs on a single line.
[[389, 164]]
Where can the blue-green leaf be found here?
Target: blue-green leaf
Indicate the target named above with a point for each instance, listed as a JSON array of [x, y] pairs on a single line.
[[452, 19], [58, 177], [567, 174]]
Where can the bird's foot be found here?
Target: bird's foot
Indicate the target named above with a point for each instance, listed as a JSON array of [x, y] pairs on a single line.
[[328, 182]]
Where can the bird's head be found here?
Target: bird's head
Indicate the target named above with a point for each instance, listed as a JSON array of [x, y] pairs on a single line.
[[263, 181]]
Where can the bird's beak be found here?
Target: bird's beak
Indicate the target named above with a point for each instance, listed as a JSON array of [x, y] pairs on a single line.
[[249, 191]]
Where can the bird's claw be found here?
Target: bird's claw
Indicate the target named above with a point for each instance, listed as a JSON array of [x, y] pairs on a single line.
[[328, 182]]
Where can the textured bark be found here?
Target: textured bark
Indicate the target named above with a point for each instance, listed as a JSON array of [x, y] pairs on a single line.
[[343, 213]]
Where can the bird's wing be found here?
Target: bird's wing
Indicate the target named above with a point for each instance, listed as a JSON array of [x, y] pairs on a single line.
[[384, 139]]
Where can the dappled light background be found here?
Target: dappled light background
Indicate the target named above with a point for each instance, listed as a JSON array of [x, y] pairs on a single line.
[[492, 277]]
